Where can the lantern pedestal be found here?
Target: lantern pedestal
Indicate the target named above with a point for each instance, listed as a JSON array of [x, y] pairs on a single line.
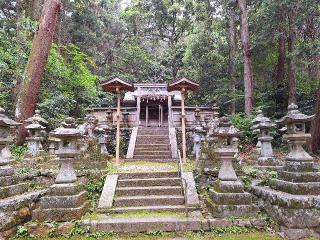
[[228, 198], [293, 197], [66, 199]]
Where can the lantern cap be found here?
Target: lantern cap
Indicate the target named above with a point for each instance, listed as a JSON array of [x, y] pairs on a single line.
[[67, 130], [294, 115], [183, 83], [226, 129], [5, 121], [37, 118]]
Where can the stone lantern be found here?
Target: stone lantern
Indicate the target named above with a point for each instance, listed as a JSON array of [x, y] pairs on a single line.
[[34, 145], [9, 186], [293, 197], [263, 127], [91, 123], [259, 118], [228, 194], [298, 160], [197, 135], [67, 150], [36, 127], [66, 198], [125, 115], [6, 138], [101, 135]]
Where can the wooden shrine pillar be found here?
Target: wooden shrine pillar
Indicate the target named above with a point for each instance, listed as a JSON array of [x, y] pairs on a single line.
[[118, 127], [116, 85], [147, 114], [183, 85], [138, 111]]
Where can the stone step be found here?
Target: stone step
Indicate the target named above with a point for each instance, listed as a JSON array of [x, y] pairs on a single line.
[[12, 190], [152, 152], [132, 175], [147, 182], [151, 156], [151, 200], [7, 180], [152, 136], [143, 140], [151, 160], [144, 191], [131, 225], [153, 131], [173, 208], [153, 147]]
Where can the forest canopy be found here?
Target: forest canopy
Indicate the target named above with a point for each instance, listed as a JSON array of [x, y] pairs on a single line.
[[162, 40]]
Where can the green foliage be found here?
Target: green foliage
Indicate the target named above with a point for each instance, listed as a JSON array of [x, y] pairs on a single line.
[[243, 123], [265, 179], [232, 229], [94, 189], [155, 233], [69, 86], [22, 231], [18, 152]]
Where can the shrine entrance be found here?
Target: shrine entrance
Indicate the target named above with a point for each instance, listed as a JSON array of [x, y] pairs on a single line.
[[154, 113]]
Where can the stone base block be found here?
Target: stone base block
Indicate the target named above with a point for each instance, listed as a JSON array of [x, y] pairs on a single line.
[[228, 186], [296, 233], [223, 211], [12, 190], [230, 198], [299, 176], [7, 180], [268, 161], [292, 211], [65, 189], [299, 166], [70, 201], [287, 200], [6, 171], [60, 214], [306, 188]]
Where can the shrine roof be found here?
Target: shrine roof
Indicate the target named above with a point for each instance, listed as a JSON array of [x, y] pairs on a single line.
[[116, 83], [185, 83], [151, 90]]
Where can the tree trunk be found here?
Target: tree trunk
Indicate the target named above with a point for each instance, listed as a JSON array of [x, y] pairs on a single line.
[[247, 71], [280, 68], [232, 58], [292, 78], [29, 89], [315, 126]]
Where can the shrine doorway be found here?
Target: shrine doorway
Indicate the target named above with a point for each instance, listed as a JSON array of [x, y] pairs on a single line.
[[154, 113]]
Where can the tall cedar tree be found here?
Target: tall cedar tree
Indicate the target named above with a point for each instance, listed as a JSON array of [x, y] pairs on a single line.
[[232, 57], [247, 66], [29, 89], [292, 69]]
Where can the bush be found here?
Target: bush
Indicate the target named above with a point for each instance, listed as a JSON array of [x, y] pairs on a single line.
[[243, 123]]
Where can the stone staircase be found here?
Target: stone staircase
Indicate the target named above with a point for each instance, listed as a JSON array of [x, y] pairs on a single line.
[[148, 191], [145, 195], [152, 144]]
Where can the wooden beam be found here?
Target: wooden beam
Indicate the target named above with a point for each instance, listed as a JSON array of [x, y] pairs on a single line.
[[183, 127], [118, 127]]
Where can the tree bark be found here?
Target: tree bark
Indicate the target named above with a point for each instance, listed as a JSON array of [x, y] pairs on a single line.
[[247, 71], [232, 58], [315, 125], [292, 71], [280, 68], [29, 89]]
